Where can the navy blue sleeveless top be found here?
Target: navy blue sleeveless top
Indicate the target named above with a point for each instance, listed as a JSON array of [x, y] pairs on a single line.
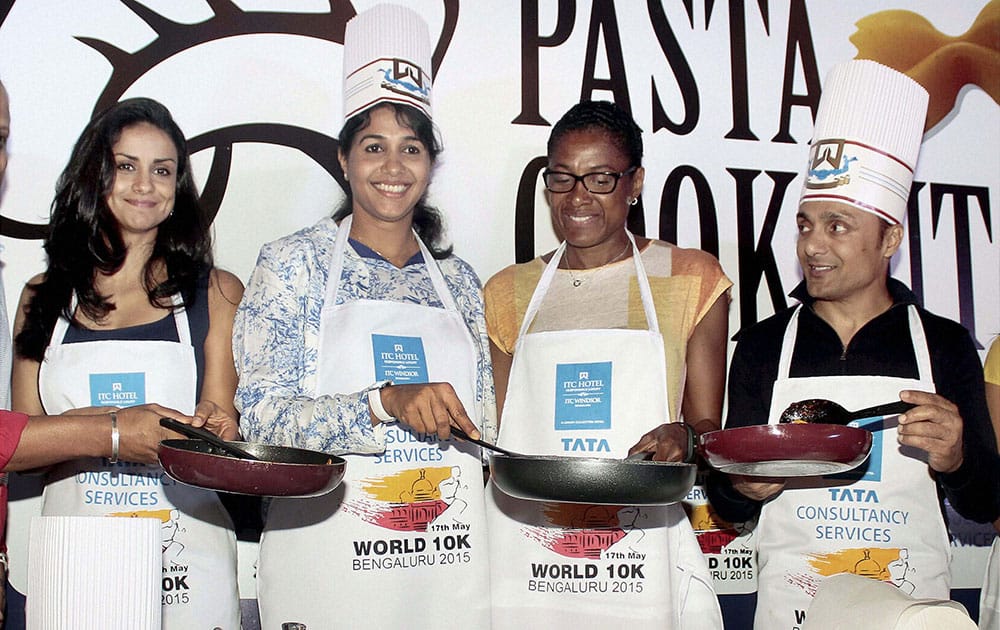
[[164, 329]]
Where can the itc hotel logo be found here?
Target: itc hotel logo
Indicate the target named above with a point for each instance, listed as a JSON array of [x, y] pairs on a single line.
[[829, 165], [584, 381], [407, 79], [120, 395], [117, 390]]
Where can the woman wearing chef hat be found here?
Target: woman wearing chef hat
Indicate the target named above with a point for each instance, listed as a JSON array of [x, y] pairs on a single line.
[[362, 335]]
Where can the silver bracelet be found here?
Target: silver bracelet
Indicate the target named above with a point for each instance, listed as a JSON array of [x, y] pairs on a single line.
[[115, 438]]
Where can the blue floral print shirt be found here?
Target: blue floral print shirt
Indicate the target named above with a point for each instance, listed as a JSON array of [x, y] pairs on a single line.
[[276, 340]]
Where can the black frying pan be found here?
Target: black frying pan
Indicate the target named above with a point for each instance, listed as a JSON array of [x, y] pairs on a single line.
[[597, 480]]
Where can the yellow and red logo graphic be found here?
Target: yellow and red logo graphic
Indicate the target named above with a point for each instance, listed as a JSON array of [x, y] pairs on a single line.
[[891, 565], [585, 531], [712, 531], [405, 501]]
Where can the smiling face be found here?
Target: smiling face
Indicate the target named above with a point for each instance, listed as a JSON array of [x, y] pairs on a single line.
[[142, 196], [844, 252], [589, 221], [388, 168]]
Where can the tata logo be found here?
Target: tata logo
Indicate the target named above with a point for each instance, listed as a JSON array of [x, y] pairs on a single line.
[[586, 445], [853, 495]]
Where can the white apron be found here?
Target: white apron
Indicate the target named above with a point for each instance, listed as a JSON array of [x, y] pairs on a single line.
[[401, 543], [880, 520], [558, 565], [989, 601], [199, 546]]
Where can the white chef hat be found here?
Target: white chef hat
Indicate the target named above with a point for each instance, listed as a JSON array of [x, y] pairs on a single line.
[[387, 58], [866, 140], [848, 602]]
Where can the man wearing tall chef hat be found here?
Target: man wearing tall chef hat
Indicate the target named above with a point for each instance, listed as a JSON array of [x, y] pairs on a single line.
[[860, 338]]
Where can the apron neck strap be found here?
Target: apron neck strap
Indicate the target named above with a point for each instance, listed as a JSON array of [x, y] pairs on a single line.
[[917, 337], [920, 349], [337, 266], [550, 271], [788, 344]]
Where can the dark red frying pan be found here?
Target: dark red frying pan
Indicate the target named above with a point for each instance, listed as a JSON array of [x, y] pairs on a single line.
[[786, 450], [810, 439], [277, 471]]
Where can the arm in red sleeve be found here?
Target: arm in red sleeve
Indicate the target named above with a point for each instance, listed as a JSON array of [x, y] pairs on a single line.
[[12, 425]]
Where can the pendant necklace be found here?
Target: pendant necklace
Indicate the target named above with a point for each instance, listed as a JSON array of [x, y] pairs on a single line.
[[579, 281]]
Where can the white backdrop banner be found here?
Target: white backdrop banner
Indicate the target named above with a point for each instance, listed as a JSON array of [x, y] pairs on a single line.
[[724, 91]]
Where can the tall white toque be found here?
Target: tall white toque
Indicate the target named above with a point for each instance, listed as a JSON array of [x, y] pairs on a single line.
[[387, 58], [867, 138]]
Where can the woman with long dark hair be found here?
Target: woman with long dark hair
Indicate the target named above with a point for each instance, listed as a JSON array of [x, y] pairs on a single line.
[[362, 335], [131, 310]]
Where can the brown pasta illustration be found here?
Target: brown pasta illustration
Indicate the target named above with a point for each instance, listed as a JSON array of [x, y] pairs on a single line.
[[909, 43]]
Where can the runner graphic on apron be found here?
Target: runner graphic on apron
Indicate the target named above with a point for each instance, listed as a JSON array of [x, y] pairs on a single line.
[[401, 543], [880, 520], [199, 546], [559, 565]]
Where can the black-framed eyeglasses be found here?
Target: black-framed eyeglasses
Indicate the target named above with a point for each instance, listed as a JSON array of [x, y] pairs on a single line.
[[599, 183]]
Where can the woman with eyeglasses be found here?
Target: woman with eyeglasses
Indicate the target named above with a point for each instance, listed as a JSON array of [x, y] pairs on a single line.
[[610, 345]]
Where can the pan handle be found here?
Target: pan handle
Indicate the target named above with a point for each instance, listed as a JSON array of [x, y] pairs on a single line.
[[493, 447], [198, 433], [887, 409]]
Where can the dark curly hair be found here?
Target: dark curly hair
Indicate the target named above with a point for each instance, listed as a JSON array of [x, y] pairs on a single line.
[[604, 116], [84, 237], [427, 220]]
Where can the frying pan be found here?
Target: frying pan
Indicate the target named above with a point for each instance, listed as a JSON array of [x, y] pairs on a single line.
[[278, 471], [595, 480], [786, 450]]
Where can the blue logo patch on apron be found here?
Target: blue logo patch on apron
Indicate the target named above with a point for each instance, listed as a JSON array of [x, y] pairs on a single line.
[[583, 396], [871, 470], [399, 359], [118, 390]]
